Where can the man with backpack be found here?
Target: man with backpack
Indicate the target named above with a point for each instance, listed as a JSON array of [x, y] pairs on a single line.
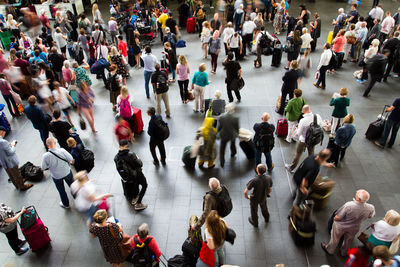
[[144, 247], [159, 80], [262, 187], [158, 131], [263, 40], [309, 132], [264, 140], [129, 167], [217, 199], [170, 37]]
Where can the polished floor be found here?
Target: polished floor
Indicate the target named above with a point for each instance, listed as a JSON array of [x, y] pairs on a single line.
[[175, 193]]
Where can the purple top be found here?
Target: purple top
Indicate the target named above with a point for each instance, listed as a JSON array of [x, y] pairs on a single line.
[[182, 72], [84, 99]]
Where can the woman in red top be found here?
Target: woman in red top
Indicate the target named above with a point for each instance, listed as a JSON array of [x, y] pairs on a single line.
[[338, 47], [122, 130], [122, 46], [142, 237]]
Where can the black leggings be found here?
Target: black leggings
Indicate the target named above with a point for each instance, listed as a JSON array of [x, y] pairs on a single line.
[[183, 89], [13, 239]]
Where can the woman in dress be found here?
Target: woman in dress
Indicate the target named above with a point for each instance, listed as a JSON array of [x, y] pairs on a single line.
[[83, 42], [85, 103], [80, 74], [119, 61], [205, 36], [109, 244], [137, 52], [215, 48], [183, 70], [208, 149], [259, 21], [280, 11]]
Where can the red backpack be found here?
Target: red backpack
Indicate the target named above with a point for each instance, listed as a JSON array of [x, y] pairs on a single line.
[[125, 109]]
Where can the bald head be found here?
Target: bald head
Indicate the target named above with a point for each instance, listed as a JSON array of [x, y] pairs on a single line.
[[51, 142], [213, 183], [306, 109], [362, 195], [265, 117]]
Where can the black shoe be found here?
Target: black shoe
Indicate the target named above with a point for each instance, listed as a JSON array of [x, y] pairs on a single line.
[[22, 251], [279, 112], [253, 223], [163, 162], [157, 163], [23, 242]]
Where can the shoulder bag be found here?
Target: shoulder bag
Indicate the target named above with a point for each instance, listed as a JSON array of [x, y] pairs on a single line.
[[123, 241], [60, 157]]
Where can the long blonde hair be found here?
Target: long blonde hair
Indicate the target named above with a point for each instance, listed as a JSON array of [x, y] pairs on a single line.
[[95, 7], [124, 92], [114, 51], [182, 60]]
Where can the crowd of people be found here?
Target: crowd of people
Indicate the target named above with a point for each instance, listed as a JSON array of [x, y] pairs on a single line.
[[49, 69]]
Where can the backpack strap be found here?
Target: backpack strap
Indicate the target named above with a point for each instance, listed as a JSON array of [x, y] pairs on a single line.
[[315, 119]]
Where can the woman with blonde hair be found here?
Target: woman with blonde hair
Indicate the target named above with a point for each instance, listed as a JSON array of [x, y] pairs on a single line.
[[199, 82], [124, 102], [208, 149], [13, 25], [182, 71], [205, 36], [12, 56], [136, 49], [259, 21], [340, 102], [97, 14], [119, 61], [215, 48], [106, 231], [215, 230], [387, 231], [61, 21], [342, 139], [280, 11]]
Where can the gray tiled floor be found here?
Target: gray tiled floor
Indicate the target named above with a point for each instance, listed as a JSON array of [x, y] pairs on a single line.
[[175, 193]]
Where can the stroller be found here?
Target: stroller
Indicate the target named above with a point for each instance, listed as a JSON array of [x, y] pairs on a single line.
[[146, 35]]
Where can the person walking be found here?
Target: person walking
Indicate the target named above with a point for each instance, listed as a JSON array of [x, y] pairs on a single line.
[[301, 132], [247, 34], [117, 59], [114, 81], [233, 73], [159, 81], [340, 102], [228, 130], [294, 43], [199, 82], [262, 188], [183, 71], [149, 62], [315, 30], [227, 33], [293, 112], [264, 140], [347, 222], [392, 124], [205, 37], [307, 172], [289, 84], [9, 161], [214, 45], [8, 226], [376, 67], [129, 166], [38, 119], [391, 44], [5, 89], [207, 135], [155, 139], [61, 130], [64, 100], [86, 104], [342, 139], [323, 66], [58, 161]]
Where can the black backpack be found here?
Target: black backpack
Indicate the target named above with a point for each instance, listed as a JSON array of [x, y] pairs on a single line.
[[124, 169], [31, 172], [314, 134], [162, 83], [266, 139], [87, 159], [162, 129], [142, 254], [264, 41], [224, 202]]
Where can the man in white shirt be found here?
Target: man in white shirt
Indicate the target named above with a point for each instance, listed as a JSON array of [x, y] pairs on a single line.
[[247, 33], [377, 12], [387, 24], [301, 132], [257, 62], [361, 36], [323, 66], [150, 62]]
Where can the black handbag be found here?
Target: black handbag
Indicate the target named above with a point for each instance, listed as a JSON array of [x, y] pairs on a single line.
[[230, 235], [237, 84]]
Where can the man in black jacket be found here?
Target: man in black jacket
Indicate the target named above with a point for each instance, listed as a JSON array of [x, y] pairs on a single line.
[[57, 61], [289, 84], [392, 44], [155, 137], [264, 140], [376, 67], [129, 166], [233, 71], [159, 80]]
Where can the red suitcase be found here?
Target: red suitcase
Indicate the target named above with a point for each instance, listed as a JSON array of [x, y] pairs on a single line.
[[191, 25], [36, 235], [282, 127], [137, 120]]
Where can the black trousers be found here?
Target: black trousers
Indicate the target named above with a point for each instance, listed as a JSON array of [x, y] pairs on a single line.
[[337, 151], [183, 89], [283, 100], [388, 67], [161, 148], [236, 51], [222, 149], [371, 84], [13, 239], [322, 76], [247, 39], [229, 91], [140, 180], [254, 210]]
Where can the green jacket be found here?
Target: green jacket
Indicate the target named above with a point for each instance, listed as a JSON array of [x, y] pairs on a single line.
[[340, 103], [294, 108]]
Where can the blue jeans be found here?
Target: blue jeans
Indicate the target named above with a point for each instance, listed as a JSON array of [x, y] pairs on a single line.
[[60, 187], [91, 211], [10, 101], [147, 76], [173, 73], [389, 125], [268, 158], [44, 134]]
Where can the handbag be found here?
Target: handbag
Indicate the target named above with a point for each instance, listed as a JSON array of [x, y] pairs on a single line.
[[82, 123], [237, 84], [207, 255], [230, 235], [123, 242], [363, 236]]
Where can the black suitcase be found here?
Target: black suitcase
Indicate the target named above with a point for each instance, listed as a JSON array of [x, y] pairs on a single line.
[[186, 159], [375, 129], [276, 56], [248, 149], [130, 188]]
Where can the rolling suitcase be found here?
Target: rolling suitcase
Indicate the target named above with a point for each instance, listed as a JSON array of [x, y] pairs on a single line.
[[375, 129], [282, 128], [248, 149], [137, 120], [191, 25], [130, 188], [320, 191], [37, 234], [186, 159], [276, 55], [301, 226]]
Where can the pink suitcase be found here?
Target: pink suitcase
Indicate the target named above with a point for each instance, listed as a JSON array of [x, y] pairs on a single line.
[[137, 120], [282, 128], [36, 235], [191, 25]]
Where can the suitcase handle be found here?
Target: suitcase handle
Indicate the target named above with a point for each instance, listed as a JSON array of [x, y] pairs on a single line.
[[383, 112], [37, 215]]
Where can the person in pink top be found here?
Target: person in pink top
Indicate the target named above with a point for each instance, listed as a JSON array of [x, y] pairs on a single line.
[[122, 46], [182, 70], [68, 74], [338, 47]]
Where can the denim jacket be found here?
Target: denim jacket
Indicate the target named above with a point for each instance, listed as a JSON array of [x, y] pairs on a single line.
[[344, 135]]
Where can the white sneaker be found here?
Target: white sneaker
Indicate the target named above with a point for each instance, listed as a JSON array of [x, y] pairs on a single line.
[[134, 200], [287, 166], [288, 140], [62, 206], [140, 206]]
